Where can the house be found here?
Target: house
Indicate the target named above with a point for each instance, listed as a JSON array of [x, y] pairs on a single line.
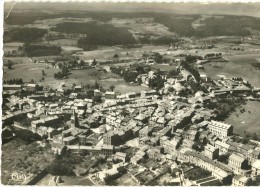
[[222, 146], [82, 139], [237, 163], [153, 153], [97, 92], [107, 150], [121, 156], [192, 135], [57, 148], [70, 140], [78, 88], [240, 180], [211, 152], [253, 155], [256, 168], [110, 95], [12, 87], [31, 87], [111, 138], [145, 132], [218, 170]]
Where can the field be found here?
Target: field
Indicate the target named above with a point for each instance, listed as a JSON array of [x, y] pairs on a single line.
[[80, 77], [30, 71], [248, 121], [144, 26], [108, 52], [239, 66], [9, 47], [163, 67]]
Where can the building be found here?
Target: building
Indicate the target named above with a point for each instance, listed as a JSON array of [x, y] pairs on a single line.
[[220, 129], [237, 163], [145, 132], [111, 138], [256, 168], [222, 146], [240, 180], [211, 152], [12, 87], [82, 139], [31, 87], [110, 95], [121, 156], [70, 140]]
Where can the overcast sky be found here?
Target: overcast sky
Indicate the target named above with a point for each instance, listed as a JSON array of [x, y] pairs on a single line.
[[251, 9]]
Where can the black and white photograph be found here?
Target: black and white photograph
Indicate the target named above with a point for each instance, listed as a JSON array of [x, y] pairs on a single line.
[[130, 94]]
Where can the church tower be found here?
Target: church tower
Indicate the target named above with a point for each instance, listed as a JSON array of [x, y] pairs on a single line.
[[74, 120]]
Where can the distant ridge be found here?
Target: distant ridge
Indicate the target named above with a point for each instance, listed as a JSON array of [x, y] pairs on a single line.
[[245, 9]]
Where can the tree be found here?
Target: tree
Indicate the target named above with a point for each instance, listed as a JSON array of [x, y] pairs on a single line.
[[112, 87], [43, 72], [58, 168], [116, 56], [9, 64], [172, 73], [94, 62]]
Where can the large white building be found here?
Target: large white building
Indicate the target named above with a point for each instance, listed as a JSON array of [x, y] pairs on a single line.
[[221, 130]]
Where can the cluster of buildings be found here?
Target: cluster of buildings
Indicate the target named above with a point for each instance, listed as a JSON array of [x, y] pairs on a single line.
[[163, 127]]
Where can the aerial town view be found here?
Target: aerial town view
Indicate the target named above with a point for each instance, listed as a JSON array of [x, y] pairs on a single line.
[[131, 94]]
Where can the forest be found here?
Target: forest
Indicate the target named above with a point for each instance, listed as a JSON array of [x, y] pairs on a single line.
[[40, 50], [97, 34], [24, 35]]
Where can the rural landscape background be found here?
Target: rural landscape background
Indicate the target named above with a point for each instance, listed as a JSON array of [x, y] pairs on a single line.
[[40, 37]]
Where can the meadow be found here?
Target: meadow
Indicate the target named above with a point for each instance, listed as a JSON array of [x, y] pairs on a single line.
[[239, 66], [248, 121], [79, 77]]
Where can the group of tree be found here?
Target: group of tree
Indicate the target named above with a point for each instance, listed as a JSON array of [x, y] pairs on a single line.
[[181, 25], [40, 50], [97, 34], [225, 106], [163, 40], [25, 35], [9, 64], [63, 73], [157, 57], [172, 73], [27, 135], [157, 82], [13, 81], [189, 67], [64, 164], [192, 58]]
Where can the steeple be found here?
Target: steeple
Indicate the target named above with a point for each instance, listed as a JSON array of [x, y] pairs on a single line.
[[74, 120]]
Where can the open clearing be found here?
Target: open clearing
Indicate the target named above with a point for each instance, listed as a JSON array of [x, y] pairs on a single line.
[[79, 77], [108, 52], [30, 71], [239, 66], [248, 121]]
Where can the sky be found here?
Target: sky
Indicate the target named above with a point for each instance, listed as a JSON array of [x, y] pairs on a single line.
[[249, 9]]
